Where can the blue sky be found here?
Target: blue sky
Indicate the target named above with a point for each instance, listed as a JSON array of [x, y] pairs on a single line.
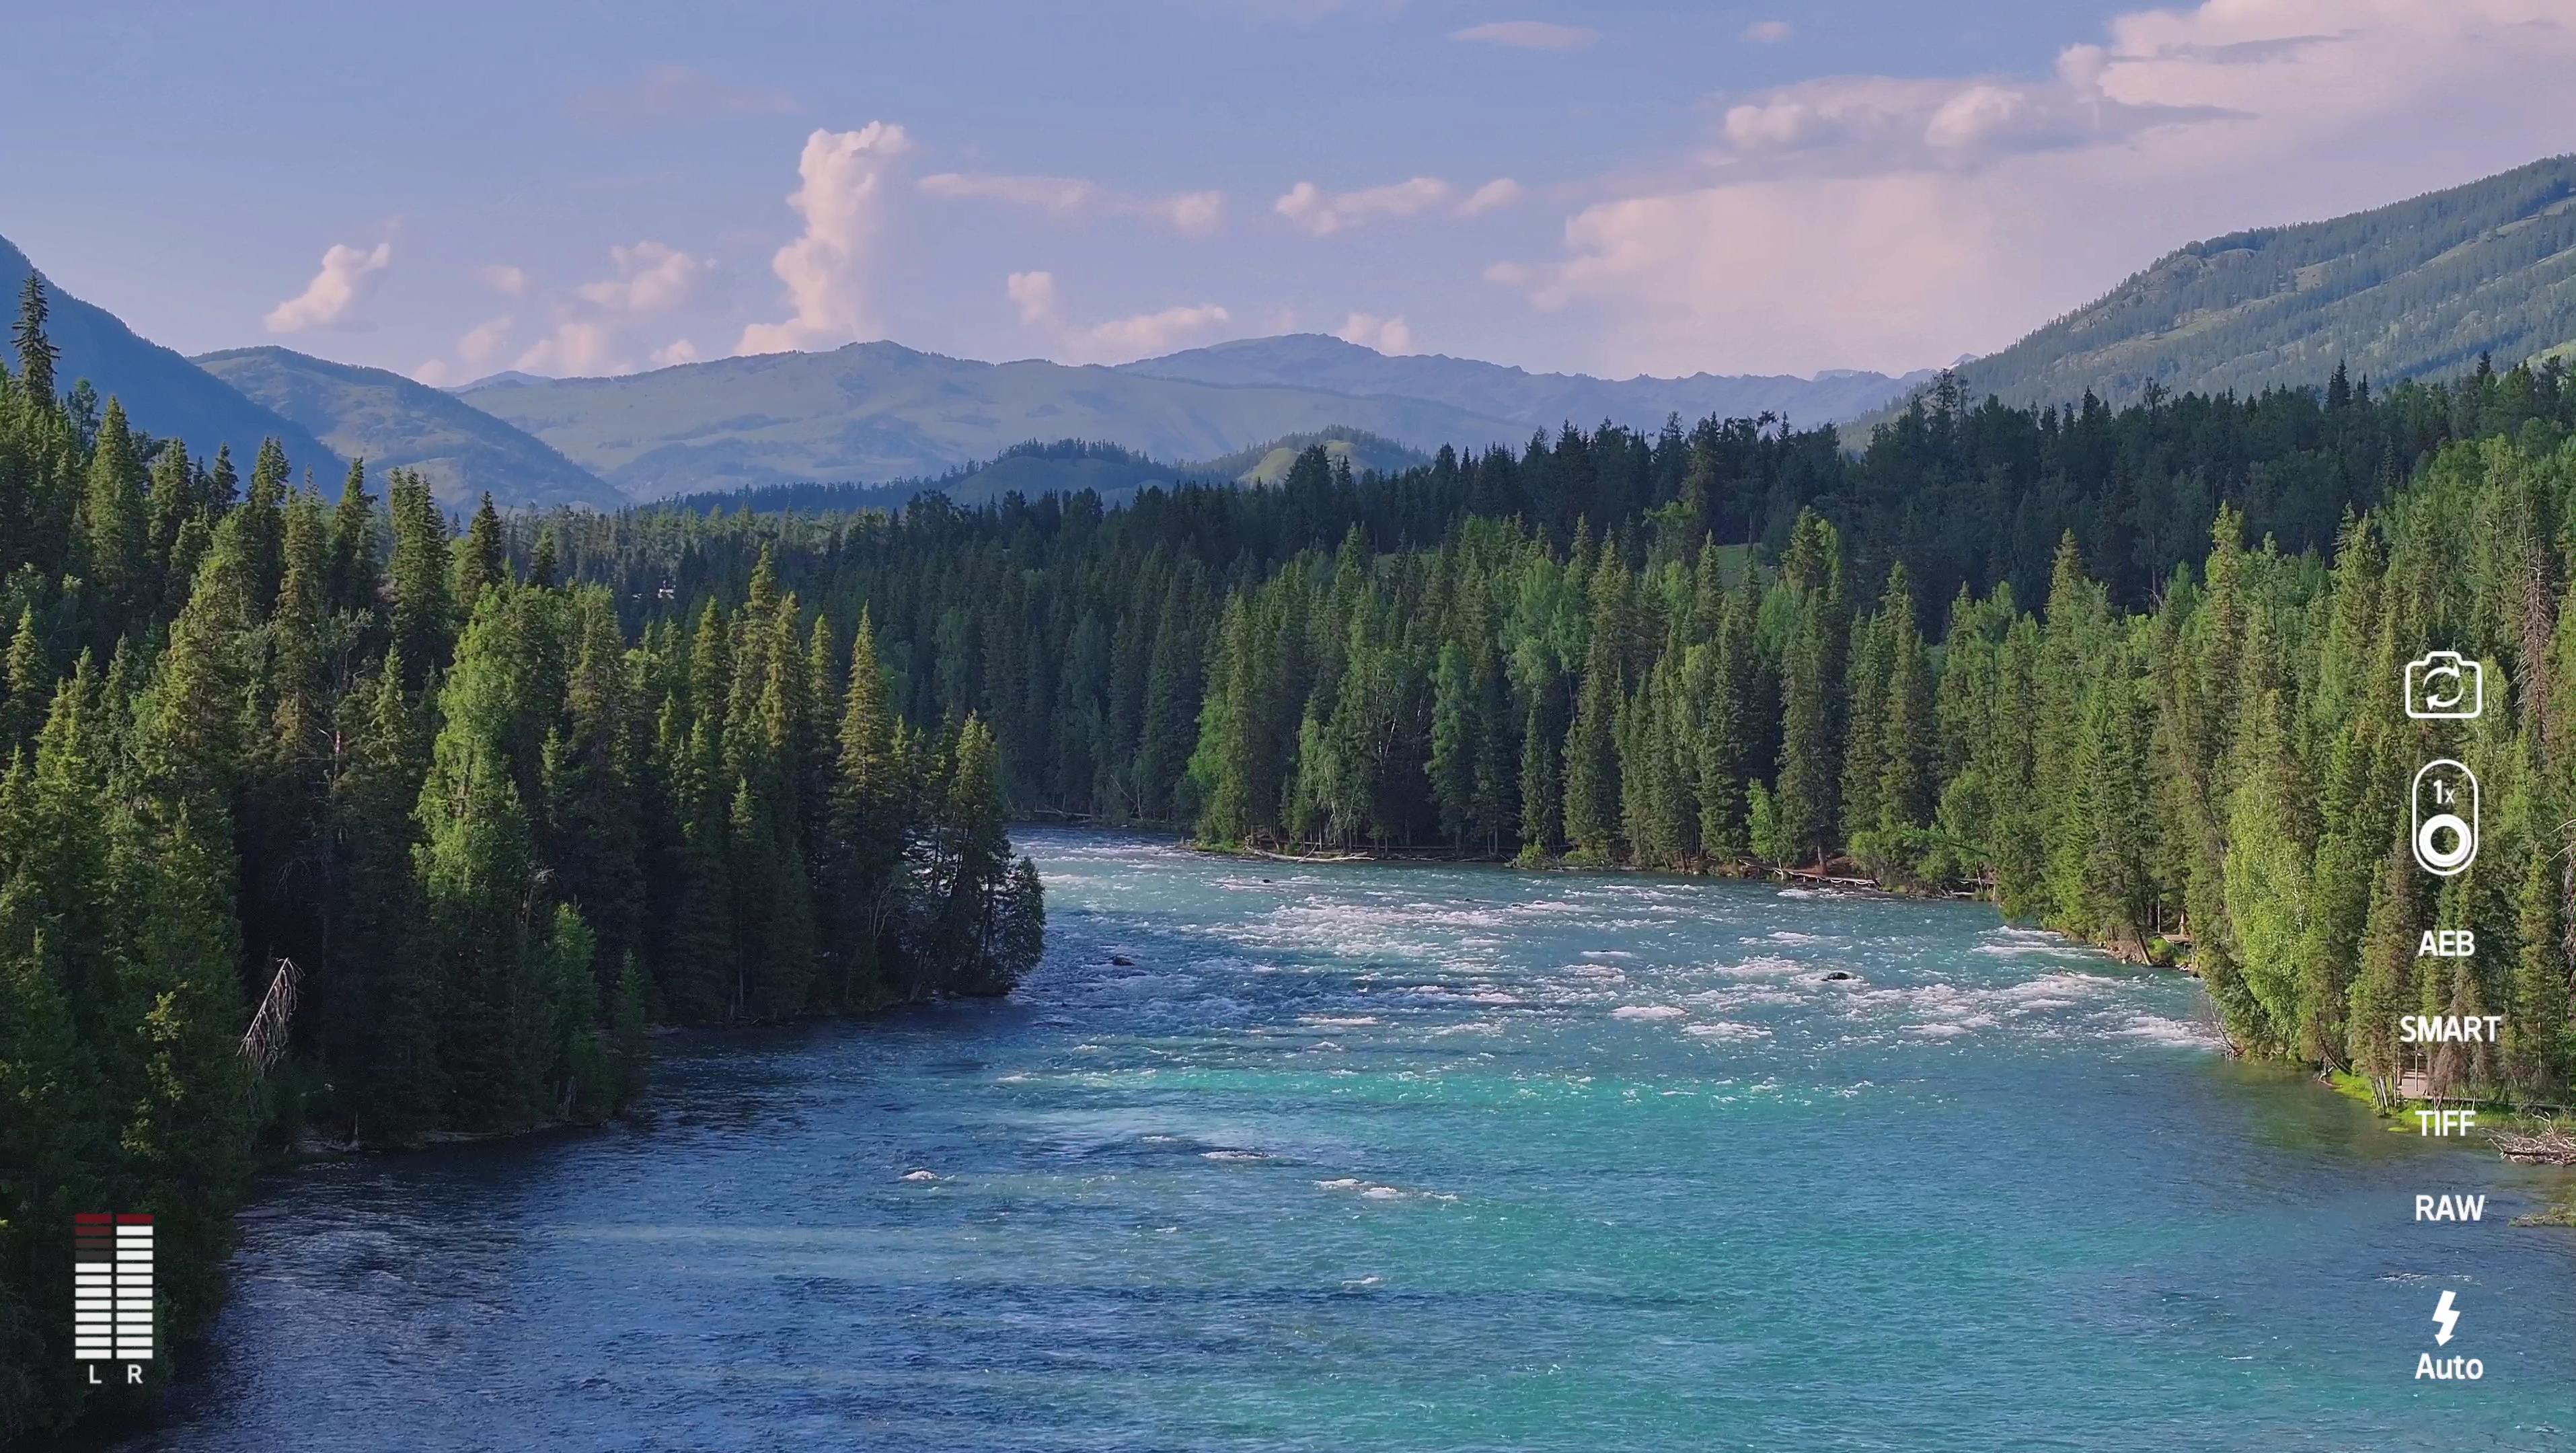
[[452, 190]]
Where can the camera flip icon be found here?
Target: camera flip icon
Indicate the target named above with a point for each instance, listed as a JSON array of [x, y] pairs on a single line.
[[2444, 686], [2446, 818]]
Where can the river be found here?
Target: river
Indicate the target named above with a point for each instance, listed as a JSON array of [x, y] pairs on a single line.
[[1351, 1157]]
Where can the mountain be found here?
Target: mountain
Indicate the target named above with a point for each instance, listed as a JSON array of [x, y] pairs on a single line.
[[880, 411], [2419, 288], [390, 421], [1532, 400], [164, 394]]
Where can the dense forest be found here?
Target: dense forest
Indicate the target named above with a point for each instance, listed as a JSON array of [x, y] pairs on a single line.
[[498, 825], [2133, 673]]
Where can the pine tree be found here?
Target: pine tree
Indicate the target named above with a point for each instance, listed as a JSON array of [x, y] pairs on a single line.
[[36, 351], [424, 625], [476, 867], [478, 559], [115, 529], [381, 999], [354, 575]]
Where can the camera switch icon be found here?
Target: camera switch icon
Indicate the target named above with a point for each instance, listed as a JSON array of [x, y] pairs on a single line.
[[2444, 686], [2446, 818]]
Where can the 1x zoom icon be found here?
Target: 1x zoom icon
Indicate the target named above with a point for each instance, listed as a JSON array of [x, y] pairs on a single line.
[[2446, 818]]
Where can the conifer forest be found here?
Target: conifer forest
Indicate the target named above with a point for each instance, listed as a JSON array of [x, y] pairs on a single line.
[[512, 794], [498, 832]]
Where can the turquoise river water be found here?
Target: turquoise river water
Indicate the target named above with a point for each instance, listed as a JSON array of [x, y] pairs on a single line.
[[1349, 1157]]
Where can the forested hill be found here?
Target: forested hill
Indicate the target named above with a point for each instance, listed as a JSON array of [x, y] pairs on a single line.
[[2418, 289], [497, 833], [164, 394], [2129, 672]]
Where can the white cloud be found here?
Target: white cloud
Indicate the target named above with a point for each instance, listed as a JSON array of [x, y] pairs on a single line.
[[1529, 35], [1386, 335], [502, 278], [842, 198], [1194, 214], [433, 372], [1881, 221], [1118, 340], [1034, 294], [1492, 196], [1145, 334], [1324, 213], [651, 276], [484, 341], [577, 348], [1064, 196], [677, 351], [335, 291], [1767, 32]]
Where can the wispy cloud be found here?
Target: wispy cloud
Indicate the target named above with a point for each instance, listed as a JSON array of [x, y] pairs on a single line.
[[1034, 294], [331, 298], [1311, 209], [651, 277], [1194, 214], [1767, 32], [1386, 335], [1529, 35]]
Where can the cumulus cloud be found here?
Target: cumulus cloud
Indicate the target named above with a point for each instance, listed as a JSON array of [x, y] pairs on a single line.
[[1767, 32], [677, 351], [502, 278], [1492, 196], [842, 198], [1194, 214], [1386, 335], [1882, 221], [334, 293], [673, 92], [433, 372], [1034, 294], [1529, 35], [651, 276]]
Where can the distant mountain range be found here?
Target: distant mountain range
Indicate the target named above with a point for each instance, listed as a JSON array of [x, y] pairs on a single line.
[[2417, 288], [1532, 400], [163, 393], [393, 422], [880, 411]]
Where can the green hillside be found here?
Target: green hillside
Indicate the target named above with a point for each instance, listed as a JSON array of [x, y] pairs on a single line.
[[2412, 290], [390, 421], [1268, 463]]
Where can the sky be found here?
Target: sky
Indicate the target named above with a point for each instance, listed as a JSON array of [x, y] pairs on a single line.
[[564, 188]]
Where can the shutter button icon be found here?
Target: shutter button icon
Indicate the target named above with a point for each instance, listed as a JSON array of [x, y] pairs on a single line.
[[2446, 818]]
